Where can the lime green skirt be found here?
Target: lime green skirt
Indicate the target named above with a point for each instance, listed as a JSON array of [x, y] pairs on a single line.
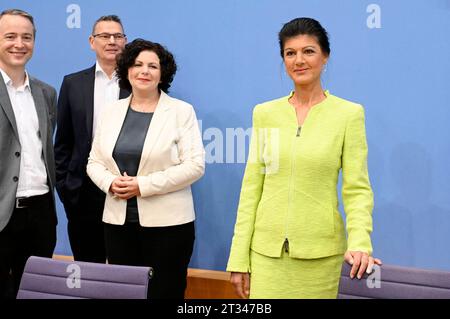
[[292, 278]]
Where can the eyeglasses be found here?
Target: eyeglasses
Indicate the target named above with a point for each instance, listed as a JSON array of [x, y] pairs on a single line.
[[107, 36]]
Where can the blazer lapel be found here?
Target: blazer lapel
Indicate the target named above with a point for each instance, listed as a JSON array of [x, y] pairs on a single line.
[[5, 103], [116, 123], [42, 113], [159, 119], [88, 96]]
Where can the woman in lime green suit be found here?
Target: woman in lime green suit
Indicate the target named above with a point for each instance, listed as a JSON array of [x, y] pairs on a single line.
[[289, 239]]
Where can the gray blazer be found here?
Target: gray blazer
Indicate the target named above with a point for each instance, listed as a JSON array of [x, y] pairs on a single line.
[[10, 149]]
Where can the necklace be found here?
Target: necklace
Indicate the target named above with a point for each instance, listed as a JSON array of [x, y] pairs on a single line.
[[294, 102]]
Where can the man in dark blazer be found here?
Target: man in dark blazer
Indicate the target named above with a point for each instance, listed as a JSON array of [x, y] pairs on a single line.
[[83, 96], [27, 170]]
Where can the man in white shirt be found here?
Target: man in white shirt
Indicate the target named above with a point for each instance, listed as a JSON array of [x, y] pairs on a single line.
[[27, 170], [83, 96]]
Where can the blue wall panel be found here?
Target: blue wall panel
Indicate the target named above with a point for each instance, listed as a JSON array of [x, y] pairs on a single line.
[[228, 59]]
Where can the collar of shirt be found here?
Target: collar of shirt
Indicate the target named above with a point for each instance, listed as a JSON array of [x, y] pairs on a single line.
[[99, 72], [8, 81]]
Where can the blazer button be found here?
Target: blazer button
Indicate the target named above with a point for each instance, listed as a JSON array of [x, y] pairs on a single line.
[[17, 154], [15, 178]]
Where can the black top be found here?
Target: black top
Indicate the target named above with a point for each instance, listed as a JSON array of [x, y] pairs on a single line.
[[128, 150]]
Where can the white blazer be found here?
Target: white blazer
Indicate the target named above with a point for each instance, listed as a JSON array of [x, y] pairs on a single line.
[[172, 159]]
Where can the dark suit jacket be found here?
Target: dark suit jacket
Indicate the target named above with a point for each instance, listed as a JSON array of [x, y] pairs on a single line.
[[74, 133], [44, 97]]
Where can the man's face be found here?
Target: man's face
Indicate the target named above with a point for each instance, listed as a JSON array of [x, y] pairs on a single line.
[[105, 45], [16, 41]]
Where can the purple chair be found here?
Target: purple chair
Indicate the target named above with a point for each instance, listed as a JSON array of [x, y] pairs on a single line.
[[46, 278], [395, 282]]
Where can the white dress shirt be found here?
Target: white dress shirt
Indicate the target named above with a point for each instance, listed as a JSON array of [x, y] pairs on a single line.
[[32, 175], [106, 91]]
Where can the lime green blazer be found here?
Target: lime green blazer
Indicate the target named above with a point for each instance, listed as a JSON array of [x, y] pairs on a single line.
[[289, 189]]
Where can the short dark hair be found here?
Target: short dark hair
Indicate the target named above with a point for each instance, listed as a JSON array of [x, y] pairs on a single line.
[[128, 57], [111, 17], [304, 26], [18, 12]]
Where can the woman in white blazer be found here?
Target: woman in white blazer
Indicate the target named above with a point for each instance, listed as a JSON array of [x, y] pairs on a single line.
[[146, 153]]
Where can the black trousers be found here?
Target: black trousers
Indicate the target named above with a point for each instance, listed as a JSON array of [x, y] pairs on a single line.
[[84, 224], [31, 231], [167, 249]]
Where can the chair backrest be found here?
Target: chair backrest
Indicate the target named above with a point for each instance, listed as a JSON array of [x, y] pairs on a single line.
[[395, 282], [46, 278]]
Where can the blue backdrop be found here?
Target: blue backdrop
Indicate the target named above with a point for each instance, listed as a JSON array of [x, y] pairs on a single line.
[[390, 56]]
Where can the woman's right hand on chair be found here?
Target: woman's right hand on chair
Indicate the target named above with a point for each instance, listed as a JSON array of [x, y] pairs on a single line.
[[241, 283]]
